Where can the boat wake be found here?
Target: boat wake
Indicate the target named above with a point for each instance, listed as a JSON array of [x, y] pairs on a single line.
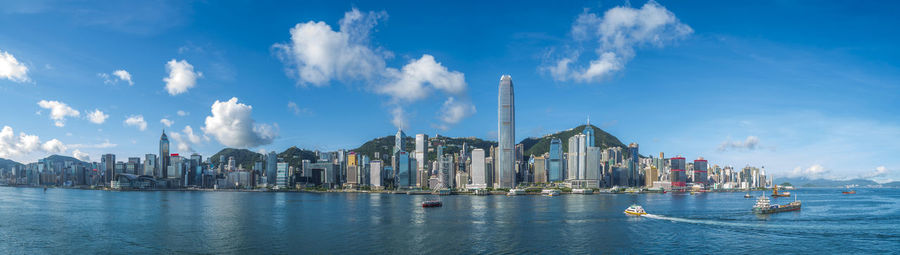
[[706, 222]]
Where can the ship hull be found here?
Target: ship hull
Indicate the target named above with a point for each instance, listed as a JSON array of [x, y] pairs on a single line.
[[776, 209]]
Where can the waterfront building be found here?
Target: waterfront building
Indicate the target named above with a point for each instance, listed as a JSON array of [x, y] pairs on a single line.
[[480, 176], [133, 166], [554, 161], [163, 155], [421, 156], [375, 174], [150, 165], [405, 177], [539, 165], [651, 177], [108, 167], [593, 163], [634, 165], [272, 168], [678, 176], [282, 175], [700, 171], [576, 157], [352, 169], [506, 124]]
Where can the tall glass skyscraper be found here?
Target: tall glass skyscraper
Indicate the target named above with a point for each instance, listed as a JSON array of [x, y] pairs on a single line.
[[589, 132], [164, 155], [506, 124], [555, 162]]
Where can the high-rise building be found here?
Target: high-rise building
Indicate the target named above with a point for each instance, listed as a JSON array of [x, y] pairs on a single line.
[[577, 160], [352, 170], [282, 175], [554, 163], [108, 163], [164, 155], [421, 155], [593, 163], [700, 171], [150, 165], [589, 132], [634, 165], [506, 125], [540, 169], [678, 176], [272, 168], [375, 168], [479, 171]]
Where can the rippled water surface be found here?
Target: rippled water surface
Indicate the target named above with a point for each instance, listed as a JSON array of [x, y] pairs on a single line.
[[61, 221]]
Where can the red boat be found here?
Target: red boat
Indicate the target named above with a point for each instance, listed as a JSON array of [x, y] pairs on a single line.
[[849, 192], [432, 203]]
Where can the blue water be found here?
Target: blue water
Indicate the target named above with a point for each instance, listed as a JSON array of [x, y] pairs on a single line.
[[62, 221]]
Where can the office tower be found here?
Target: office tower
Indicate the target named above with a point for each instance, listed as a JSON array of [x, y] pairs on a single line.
[[576, 155], [195, 172], [555, 165], [176, 167], [375, 168], [133, 166], [506, 125], [405, 177], [479, 174], [634, 165], [678, 177], [150, 165], [164, 155], [272, 168], [593, 163], [232, 164], [539, 165], [352, 170], [700, 171], [108, 163], [282, 175], [652, 176], [589, 132], [421, 155]]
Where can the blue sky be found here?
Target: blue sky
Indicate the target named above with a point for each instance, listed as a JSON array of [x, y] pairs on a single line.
[[802, 88]]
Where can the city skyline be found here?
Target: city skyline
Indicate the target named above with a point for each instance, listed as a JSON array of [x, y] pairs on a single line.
[[694, 85]]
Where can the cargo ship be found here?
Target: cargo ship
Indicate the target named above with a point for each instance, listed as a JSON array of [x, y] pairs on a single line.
[[764, 207], [850, 192]]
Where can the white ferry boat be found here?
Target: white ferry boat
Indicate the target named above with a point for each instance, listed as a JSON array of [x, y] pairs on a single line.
[[635, 210]]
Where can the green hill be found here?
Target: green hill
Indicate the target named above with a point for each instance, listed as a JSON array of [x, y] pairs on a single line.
[[385, 145], [59, 159], [8, 164], [294, 156], [243, 158], [537, 146]]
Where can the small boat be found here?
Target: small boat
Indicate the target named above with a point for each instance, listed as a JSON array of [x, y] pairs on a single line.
[[747, 195], [764, 207], [635, 210], [776, 194], [849, 192], [550, 192], [432, 202]]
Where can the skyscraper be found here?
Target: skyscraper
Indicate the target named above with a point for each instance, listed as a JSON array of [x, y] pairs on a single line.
[[700, 171], [108, 163], [479, 173], [679, 179], [506, 125], [555, 165], [589, 132], [577, 157], [164, 155], [421, 153], [634, 165], [272, 168]]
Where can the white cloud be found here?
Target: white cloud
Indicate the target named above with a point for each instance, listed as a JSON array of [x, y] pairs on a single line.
[[454, 111], [813, 172], [880, 171], [53, 146], [81, 155], [97, 116], [181, 77], [751, 143], [117, 76], [297, 110], [616, 35], [318, 54], [58, 111], [398, 117], [11, 69], [232, 125], [412, 82], [167, 122], [183, 113], [187, 138], [136, 121], [15, 147]]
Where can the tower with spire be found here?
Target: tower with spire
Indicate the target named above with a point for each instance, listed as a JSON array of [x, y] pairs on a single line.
[[589, 132], [163, 166]]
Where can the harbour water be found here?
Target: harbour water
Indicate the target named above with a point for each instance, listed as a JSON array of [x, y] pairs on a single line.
[[66, 221]]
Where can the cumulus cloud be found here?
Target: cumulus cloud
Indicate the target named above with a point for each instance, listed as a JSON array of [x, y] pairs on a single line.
[[14, 147], [166, 122], [187, 138], [231, 124], [616, 34], [813, 172], [136, 121], [880, 171], [116, 76], [81, 155], [58, 111], [97, 116], [181, 76], [11, 69], [317, 54], [453, 111], [751, 143], [182, 113]]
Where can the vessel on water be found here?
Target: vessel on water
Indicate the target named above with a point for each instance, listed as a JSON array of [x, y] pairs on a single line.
[[764, 207], [432, 202], [635, 210], [516, 192], [849, 192], [776, 194], [747, 195], [550, 192]]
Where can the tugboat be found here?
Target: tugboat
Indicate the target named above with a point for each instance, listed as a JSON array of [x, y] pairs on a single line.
[[776, 194], [764, 207], [432, 202], [635, 210]]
